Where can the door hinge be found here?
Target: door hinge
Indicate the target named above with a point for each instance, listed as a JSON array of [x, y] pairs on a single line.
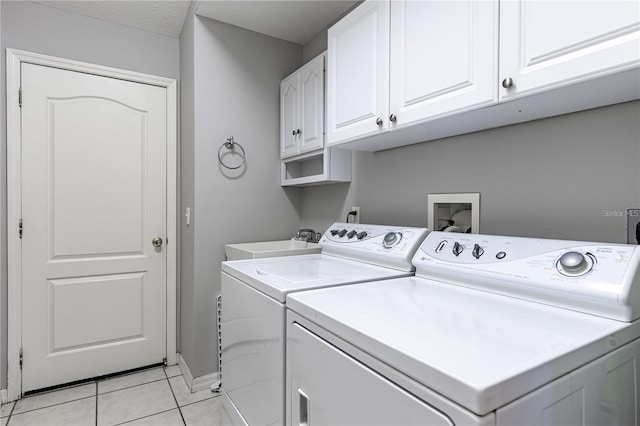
[[20, 97], [20, 228], [21, 359]]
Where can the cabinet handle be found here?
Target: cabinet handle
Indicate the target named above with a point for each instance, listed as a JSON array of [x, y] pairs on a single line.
[[507, 83], [379, 121], [298, 132], [393, 118], [304, 408], [293, 133]]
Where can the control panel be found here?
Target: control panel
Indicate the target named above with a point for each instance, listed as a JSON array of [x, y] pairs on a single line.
[[383, 245], [597, 278]]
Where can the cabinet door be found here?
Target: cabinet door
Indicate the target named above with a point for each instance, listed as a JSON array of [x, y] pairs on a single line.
[[444, 58], [289, 116], [328, 387], [311, 88], [547, 44], [358, 73]]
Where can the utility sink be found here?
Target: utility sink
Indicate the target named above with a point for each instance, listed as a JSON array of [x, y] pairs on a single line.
[[270, 249]]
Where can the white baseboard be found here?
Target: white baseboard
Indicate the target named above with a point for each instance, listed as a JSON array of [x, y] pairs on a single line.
[[196, 384]]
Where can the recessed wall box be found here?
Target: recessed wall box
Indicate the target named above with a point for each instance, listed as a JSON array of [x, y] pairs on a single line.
[[454, 212]]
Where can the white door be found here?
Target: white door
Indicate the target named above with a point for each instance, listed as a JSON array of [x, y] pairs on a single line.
[[444, 58], [311, 83], [93, 199], [358, 73], [547, 44], [289, 116]]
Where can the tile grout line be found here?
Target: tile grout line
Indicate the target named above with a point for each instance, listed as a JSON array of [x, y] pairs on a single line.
[[11, 412], [201, 400], [48, 406], [174, 397], [143, 417], [132, 386]]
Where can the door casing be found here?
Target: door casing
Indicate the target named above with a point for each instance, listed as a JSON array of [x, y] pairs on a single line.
[[14, 198]]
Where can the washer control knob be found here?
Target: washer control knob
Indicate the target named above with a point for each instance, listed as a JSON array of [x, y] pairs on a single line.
[[334, 232], [342, 233], [574, 264], [477, 251], [457, 248], [361, 235], [351, 234], [391, 239]]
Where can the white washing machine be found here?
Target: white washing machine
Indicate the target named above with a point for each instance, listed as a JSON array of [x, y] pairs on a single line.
[[491, 331], [254, 291]]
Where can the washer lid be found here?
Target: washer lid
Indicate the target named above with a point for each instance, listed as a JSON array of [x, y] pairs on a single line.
[[478, 349], [279, 276]]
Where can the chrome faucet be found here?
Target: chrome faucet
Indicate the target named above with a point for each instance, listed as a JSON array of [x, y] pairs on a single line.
[[308, 235]]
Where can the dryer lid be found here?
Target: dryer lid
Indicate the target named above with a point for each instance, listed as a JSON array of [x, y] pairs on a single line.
[[479, 349]]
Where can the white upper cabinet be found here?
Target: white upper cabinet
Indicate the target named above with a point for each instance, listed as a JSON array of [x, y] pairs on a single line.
[[312, 105], [391, 64], [408, 71], [444, 58], [302, 109], [289, 116], [549, 44], [306, 160], [358, 73]]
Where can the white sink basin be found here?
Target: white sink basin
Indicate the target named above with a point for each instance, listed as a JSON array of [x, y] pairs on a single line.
[[270, 249]]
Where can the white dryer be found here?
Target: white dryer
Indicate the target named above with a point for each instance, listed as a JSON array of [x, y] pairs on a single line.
[[254, 292], [491, 331]]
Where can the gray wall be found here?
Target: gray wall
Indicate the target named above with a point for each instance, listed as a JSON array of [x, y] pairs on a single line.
[[187, 184], [232, 89], [41, 29], [551, 178]]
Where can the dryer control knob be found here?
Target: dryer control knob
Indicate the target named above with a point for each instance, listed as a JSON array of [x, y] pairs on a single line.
[[457, 248], [342, 233], [574, 264], [352, 234]]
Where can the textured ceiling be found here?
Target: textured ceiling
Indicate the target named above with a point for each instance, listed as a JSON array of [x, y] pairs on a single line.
[[162, 17], [293, 20]]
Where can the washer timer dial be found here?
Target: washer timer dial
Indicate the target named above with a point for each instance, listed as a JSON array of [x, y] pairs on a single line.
[[575, 264], [391, 239]]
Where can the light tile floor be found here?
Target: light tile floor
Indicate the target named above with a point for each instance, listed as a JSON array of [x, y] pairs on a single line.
[[158, 397]]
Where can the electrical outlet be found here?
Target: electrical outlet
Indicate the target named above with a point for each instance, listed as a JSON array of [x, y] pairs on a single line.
[[356, 217]]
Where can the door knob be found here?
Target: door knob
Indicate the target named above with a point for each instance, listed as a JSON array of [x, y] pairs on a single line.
[[157, 242]]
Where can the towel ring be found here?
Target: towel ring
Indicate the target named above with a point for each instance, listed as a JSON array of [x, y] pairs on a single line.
[[230, 144]]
